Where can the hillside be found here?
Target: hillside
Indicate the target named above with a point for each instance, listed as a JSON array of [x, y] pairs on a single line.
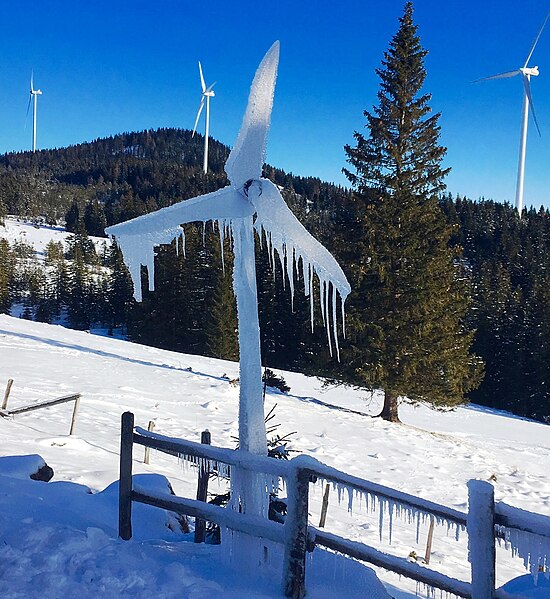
[[431, 455], [505, 261]]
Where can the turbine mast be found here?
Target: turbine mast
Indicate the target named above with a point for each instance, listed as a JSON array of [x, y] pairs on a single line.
[[206, 132], [34, 122], [522, 150]]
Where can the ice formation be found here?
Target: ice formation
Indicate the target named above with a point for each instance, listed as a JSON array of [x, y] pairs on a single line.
[[234, 209], [248, 203]]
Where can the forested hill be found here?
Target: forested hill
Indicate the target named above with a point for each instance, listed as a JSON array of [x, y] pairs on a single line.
[[505, 259], [131, 174]]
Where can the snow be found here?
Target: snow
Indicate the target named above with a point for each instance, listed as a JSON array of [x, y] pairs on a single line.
[[38, 236], [431, 455]]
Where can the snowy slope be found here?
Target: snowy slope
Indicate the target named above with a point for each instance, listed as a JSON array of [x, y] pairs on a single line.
[[37, 236], [431, 454]]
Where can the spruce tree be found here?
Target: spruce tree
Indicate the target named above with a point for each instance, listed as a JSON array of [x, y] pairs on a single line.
[[408, 304]]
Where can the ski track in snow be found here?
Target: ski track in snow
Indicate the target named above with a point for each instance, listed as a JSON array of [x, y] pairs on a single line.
[[431, 455]]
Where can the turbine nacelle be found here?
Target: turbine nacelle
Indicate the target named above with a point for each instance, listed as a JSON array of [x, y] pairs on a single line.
[[529, 71]]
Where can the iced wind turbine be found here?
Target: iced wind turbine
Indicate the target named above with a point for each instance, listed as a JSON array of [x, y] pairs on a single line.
[[249, 203]]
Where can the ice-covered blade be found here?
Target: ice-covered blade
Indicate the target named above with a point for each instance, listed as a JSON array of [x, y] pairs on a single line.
[[248, 154], [138, 237], [294, 245]]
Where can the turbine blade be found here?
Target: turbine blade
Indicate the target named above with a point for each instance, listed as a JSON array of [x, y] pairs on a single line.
[[209, 89], [247, 157], [499, 76], [28, 108], [527, 86], [138, 237], [284, 229], [32, 78], [203, 84], [201, 106], [536, 41]]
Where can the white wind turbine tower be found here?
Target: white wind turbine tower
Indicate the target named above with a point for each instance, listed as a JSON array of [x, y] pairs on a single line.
[[34, 98], [207, 93], [526, 74]]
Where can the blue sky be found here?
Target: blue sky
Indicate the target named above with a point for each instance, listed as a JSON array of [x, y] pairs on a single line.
[[112, 66]]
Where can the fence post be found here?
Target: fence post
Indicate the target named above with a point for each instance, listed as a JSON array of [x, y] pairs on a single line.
[[429, 541], [481, 538], [75, 412], [294, 565], [147, 452], [125, 483], [7, 394], [202, 492], [324, 507]]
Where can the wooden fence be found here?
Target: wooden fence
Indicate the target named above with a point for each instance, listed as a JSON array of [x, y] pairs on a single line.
[[483, 521], [4, 412]]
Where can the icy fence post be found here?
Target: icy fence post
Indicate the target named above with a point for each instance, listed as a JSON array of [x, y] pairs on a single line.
[[125, 483], [481, 538], [294, 563], [324, 507], [75, 412], [202, 491], [147, 452], [7, 394]]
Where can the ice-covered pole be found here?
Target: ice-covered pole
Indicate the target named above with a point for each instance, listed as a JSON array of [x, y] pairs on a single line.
[[481, 538]]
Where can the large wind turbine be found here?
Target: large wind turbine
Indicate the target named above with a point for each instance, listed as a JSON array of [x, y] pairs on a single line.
[[526, 74], [207, 93], [33, 97]]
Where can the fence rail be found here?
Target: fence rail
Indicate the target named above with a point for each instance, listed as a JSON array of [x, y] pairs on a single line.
[[297, 536], [4, 413]]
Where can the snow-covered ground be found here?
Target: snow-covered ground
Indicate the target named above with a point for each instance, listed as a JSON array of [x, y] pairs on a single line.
[[38, 236], [431, 455]]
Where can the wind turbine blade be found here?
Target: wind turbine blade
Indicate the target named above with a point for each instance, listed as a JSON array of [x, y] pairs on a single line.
[[247, 157], [28, 108], [201, 106], [209, 89], [499, 76], [527, 87], [285, 231], [536, 41], [203, 84], [32, 78], [138, 237]]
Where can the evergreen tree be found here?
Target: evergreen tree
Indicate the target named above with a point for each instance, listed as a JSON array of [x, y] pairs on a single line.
[[95, 220], [408, 304], [7, 268]]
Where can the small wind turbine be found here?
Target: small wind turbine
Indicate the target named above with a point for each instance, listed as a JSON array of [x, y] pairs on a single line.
[[526, 74], [33, 98], [249, 203], [207, 93]]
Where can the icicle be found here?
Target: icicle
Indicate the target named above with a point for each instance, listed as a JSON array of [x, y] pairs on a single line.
[[381, 517], [327, 316], [390, 519], [334, 322], [321, 295], [221, 232], [203, 232], [310, 276], [290, 274], [183, 242]]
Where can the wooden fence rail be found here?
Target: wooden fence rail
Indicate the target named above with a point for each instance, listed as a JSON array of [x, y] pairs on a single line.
[[47, 404], [298, 536]]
